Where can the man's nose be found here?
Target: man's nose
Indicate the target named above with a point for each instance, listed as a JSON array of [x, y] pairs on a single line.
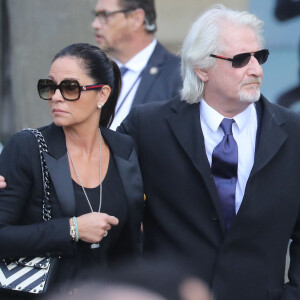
[[254, 67], [96, 23]]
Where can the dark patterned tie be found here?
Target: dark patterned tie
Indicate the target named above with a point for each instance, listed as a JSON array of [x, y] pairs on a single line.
[[224, 171], [123, 70]]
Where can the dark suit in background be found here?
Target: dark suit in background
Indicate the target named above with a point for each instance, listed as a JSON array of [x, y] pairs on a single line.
[[125, 35], [160, 79], [182, 213]]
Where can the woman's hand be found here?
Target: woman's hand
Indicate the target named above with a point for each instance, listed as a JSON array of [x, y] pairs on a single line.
[[92, 227], [2, 182]]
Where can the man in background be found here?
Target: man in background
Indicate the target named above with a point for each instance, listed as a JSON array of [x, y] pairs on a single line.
[[125, 29]]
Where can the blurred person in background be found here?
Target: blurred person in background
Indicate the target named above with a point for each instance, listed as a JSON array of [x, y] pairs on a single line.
[[158, 279], [125, 29], [286, 10]]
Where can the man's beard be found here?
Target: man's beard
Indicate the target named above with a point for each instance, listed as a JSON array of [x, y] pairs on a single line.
[[252, 95]]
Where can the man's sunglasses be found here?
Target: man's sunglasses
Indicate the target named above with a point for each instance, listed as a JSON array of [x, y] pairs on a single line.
[[242, 59], [70, 89]]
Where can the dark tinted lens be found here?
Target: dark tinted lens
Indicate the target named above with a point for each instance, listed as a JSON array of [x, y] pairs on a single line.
[[261, 56], [241, 60], [70, 89], [46, 88]]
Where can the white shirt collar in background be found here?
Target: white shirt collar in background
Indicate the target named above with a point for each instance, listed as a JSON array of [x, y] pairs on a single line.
[[130, 83]]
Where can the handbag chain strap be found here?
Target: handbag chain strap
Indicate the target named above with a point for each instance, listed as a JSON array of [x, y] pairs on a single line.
[[45, 173]]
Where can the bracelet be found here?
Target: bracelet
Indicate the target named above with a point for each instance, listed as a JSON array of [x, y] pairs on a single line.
[[76, 229], [72, 230]]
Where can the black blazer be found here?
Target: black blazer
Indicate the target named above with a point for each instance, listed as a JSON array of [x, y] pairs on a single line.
[[182, 212], [160, 79], [21, 207]]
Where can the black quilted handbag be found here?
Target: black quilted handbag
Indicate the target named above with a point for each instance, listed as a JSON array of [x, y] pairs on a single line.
[[31, 275]]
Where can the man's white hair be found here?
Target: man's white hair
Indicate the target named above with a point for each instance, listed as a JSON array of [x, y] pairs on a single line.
[[203, 39]]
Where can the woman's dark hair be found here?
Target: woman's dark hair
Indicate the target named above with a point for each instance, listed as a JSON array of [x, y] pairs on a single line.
[[102, 70]]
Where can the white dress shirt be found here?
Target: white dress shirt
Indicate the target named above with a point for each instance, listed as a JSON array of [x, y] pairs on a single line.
[[130, 83], [244, 132]]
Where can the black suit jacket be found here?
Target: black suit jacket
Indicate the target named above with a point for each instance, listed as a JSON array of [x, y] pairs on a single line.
[[22, 230], [160, 79], [182, 213]]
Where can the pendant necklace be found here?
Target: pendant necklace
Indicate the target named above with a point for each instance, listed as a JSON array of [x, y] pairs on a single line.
[[95, 245]]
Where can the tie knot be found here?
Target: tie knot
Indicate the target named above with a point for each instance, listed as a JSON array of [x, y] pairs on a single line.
[[226, 125], [123, 70]]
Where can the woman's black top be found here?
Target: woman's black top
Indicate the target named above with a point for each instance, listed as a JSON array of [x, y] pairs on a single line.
[[113, 203]]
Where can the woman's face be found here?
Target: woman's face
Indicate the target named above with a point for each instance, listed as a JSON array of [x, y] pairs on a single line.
[[84, 110]]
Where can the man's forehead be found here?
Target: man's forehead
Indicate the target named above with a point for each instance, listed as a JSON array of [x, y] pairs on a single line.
[[238, 38], [107, 5]]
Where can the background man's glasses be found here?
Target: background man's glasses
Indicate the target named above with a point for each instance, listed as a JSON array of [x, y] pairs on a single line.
[[103, 16], [69, 89], [241, 60]]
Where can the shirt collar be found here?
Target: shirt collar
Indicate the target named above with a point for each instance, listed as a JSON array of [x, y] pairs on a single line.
[[213, 119], [243, 118], [139, 61]]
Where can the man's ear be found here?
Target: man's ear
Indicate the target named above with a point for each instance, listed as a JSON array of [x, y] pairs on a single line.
[[138, 19], [201, 73]]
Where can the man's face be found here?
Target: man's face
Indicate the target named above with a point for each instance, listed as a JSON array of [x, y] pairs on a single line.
[[112, 34], [228, 86]]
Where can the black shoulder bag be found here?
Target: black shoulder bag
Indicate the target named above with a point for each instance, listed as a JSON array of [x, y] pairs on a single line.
[[31, 274]]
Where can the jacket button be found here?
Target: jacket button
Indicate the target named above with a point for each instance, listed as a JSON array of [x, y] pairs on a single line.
[[215, 217]]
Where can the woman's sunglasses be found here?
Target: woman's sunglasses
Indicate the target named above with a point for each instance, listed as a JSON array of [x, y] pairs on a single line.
[[241, 60], [70, 89]]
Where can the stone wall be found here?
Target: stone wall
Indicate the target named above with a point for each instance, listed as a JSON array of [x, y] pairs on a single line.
[[38, 29]]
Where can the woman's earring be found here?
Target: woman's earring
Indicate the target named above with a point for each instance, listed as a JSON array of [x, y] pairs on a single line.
[[100, 105]]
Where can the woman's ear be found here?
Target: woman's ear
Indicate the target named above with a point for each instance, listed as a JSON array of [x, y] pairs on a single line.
[[103, 95], [201, 73]]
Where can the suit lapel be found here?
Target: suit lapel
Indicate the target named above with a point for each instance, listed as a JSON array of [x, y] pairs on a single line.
[[186, 127], [58, 166], [126, 161], [149, 74], [185, 124], [271, 139]]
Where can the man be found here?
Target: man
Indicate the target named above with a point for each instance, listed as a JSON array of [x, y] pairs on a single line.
[[125, 29], [221, 168]]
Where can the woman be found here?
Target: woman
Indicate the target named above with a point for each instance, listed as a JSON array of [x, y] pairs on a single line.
[[96, 191]]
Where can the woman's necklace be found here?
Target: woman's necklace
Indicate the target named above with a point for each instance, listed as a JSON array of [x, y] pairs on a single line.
[[96, 245]]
